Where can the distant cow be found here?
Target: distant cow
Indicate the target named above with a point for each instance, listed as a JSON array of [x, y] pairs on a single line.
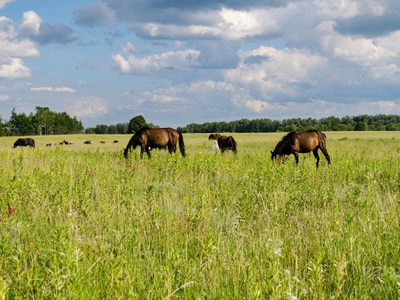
[[66, 142], [88, 142], [50, 145], [24, 142], [225, 143], [102, 142], [116, 141]]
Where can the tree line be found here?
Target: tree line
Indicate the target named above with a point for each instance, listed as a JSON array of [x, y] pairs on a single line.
[[355, 123], [46, 122], [121, 128], [42, 122]]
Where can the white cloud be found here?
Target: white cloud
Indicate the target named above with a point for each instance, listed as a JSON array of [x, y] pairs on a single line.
[[343, 9], [30, 23], [359, 50], [153, 64], [86, 108], [11, 45], [3, 3], [4, 98], [95, 14], [129, 48], [230, 25], [282, 71], [13, 68], [56, 89]]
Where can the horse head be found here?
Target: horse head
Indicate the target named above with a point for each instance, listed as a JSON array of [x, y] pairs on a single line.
[[273, 155], [214, 136]]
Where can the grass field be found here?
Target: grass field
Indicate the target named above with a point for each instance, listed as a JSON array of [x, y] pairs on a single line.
[[81, 222]]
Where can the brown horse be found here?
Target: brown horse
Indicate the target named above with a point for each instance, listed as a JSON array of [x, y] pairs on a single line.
[[24, 142], [225, 143], [88, 142], [301, 142], [148, 138]]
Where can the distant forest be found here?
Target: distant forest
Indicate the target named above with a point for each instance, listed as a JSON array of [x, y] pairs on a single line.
[[42, 122], [356, 123], [45, 122]]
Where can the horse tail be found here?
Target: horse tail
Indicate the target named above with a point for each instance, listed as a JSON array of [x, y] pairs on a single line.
[[321, 139], [181, 144], [234, 148]]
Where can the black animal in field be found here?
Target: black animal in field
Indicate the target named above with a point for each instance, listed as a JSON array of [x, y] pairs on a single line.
[[225, 143], [23, 142]]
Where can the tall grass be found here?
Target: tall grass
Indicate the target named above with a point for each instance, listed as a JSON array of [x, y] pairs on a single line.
[[82, 222]]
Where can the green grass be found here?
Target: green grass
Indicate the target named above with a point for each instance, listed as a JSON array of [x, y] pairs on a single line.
[[81, 222]]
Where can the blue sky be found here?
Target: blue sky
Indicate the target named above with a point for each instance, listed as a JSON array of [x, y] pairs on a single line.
[[179, 62]]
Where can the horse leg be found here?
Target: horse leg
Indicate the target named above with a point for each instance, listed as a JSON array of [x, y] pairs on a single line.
[[143, 148], [315, 151], [173, 147], [328, 158], [148, 152], [296, 157]]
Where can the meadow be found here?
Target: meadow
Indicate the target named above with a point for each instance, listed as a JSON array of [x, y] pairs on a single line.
[[82, 222]]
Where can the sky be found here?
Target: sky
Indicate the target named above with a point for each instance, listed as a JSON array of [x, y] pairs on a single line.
[[181, 62]]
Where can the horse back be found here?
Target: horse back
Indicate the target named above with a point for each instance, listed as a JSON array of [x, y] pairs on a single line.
[[158, 137]]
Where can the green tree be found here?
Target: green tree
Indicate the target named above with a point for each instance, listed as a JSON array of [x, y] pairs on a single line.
[[21, 124], [361, 126], [136, 123], [2, 127]]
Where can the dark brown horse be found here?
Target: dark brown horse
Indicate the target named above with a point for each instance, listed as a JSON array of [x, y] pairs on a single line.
[[88, 142], [148, 138], [225, 143], [24, 142], [301, 142]]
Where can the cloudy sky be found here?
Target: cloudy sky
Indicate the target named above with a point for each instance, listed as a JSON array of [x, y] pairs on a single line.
[[179, 62]]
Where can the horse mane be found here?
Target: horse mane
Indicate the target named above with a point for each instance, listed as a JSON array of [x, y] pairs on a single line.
[[285, 142], [141, 130]]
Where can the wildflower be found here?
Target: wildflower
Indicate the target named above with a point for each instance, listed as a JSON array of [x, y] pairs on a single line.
[[278, 251], [290, 296], [296, 279]]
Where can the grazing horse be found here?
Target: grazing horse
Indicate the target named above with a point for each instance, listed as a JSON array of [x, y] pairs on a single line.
[[50, 145], [102, 142], [148, 138], [116, 141], [225, 143], [301, 142], [88, 142], [24, 142]]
